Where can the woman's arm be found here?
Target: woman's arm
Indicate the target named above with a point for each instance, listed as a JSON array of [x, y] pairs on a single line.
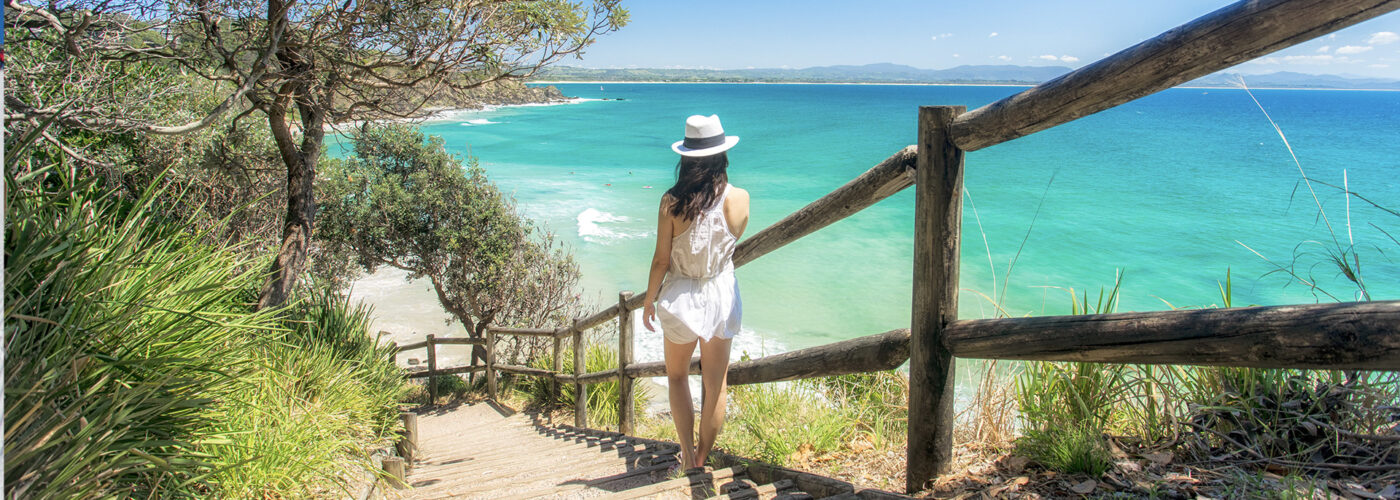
[[736, 211], [660, 261]]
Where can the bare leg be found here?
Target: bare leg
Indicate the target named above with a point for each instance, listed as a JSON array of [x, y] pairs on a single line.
[[713, 373], [678, 381]]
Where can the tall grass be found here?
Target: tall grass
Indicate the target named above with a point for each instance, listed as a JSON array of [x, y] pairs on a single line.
[[1067, 407], [121, 332], [136, 366], [1305, 421], [877, 403], [306, 422], [773, 422]]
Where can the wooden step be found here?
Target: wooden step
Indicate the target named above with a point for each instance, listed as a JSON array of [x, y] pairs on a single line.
[[762, 491], [694, 479], [483, 479], [648, 474]]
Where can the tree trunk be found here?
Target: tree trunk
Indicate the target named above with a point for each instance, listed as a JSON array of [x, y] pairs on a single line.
[[301, 200]]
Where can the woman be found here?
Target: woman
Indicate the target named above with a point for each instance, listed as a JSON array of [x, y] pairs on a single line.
[[700, 219]]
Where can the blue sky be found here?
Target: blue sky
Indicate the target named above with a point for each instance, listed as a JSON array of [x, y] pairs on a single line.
[[731, 34]]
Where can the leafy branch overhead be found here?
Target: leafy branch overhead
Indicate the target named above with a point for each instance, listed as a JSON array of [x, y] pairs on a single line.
[[303, 64], [369, 58]]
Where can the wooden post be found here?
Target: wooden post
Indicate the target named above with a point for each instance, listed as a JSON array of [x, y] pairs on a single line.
[[937, 236], [432, 370], [398, 476], [556, 367], [408, 443], [394, 352], [626, 418], [580, 390], [491, 363]]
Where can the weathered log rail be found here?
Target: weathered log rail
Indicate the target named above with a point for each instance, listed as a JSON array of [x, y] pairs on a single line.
[[1364, 336]]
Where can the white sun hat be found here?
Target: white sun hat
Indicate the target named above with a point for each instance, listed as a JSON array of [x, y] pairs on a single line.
[[704, 137]]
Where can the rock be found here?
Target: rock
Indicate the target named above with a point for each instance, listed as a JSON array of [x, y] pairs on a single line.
[[1128, 466], [1390, 491], [1159, 458], [1358, 490], [1015, 464], [1085, 487]]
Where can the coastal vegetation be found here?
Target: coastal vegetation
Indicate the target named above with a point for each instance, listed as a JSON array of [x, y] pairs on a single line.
[[160, 167], [137, 365], [403, 201]]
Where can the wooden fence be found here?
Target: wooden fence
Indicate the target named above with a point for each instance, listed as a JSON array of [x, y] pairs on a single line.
[[1363, 336]]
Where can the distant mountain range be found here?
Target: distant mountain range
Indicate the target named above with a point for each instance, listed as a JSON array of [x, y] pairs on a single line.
[[899, 73]]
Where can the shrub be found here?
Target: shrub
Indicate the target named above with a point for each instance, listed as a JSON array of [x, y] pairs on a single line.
[[120, 332], [136, 366]]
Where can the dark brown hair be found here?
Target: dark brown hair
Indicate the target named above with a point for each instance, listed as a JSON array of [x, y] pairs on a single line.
[[699, 182]]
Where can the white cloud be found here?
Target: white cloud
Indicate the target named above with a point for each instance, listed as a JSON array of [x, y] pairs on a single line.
[[1352, 49], [1069, 59], [955, 56], [1004, 57], [1332, 36], [1382, 38], [1380, 66], [1324, 48], [1048, 57], [941, 35], [993, 35], [1319, 59]]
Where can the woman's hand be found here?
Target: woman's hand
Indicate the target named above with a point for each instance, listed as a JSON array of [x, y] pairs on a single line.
[[649, 315]]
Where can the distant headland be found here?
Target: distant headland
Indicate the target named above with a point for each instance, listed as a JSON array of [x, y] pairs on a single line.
[[902, 74]]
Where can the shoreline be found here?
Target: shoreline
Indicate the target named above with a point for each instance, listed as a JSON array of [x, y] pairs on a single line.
[[451, 114], [923, 84]]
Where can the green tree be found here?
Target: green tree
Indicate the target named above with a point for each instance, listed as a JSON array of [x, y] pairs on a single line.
[[404, 202], [303, 64]]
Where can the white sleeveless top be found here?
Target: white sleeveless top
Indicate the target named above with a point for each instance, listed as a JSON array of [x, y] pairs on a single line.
[[700, 296]]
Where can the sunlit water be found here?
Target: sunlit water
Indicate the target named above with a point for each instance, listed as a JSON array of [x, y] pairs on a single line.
[[1169, 192]]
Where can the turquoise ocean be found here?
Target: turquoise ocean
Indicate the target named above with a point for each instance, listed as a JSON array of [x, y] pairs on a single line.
[[1166, 193]]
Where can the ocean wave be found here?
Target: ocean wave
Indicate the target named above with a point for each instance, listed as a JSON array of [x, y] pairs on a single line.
[[478, 121], [597, 226]]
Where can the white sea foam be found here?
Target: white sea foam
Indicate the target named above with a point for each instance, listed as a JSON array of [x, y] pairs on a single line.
[[597, 226], [478, 121]]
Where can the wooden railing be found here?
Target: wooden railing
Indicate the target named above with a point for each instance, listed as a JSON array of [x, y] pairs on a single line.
[[1363, 336]]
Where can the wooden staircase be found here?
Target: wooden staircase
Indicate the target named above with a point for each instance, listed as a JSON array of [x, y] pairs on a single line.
[[485, 450]]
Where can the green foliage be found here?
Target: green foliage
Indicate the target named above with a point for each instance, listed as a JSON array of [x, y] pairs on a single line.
[[404, 201], [1066, 407], [136, 367], [876, 402], [772, 422], [121, 333], [602, 397], [326, 396], [1074, 449]]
